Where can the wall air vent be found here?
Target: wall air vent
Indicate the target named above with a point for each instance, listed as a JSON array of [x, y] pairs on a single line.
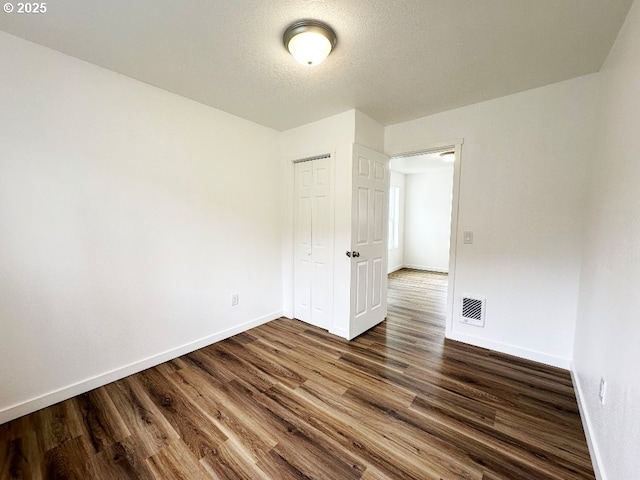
[[473, 309]]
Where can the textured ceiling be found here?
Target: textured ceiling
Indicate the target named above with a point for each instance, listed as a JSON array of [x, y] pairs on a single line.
[[395, 60]]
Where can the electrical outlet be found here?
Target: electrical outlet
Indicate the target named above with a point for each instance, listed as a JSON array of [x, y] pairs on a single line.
[[235, 299], [603, 390], [468, 238]]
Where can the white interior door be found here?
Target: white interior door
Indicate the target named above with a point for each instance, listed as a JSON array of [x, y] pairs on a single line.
[[370, 218], [313, 232]]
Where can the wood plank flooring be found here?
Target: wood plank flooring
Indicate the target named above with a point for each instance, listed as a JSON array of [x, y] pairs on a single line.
[[289, 401]]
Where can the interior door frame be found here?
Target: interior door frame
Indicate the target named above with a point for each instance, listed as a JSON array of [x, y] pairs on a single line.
[[456, 145]]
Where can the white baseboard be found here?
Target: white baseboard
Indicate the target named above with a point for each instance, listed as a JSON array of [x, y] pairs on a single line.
[[423, 267], [596, 459], [64, 393], [509, 349], [395, 269], [340, 332]]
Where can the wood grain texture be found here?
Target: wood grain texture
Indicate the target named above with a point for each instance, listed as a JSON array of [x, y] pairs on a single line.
[[289, 401]]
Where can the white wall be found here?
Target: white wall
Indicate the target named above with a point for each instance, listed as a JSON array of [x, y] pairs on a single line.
[[368, 132], [524, 167], [428, 220], [608, 329], [128, 217], [396, 255]]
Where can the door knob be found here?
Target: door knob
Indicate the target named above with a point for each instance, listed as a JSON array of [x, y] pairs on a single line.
[[348, 253], [355, 254]]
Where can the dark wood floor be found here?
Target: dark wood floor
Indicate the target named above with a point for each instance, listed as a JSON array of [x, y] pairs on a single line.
[[289, 401]]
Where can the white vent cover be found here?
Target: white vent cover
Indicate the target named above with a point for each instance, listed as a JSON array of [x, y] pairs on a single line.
[[472, 310]]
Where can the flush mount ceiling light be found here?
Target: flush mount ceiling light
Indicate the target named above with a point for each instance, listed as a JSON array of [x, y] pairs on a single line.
[[448, 156], [309, 41]]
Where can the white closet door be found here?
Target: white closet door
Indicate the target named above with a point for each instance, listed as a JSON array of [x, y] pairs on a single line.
[[313, 272], [302, 234]]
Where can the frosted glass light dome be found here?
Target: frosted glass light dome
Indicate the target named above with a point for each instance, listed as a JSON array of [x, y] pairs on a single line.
[[449, 157], [309, 41], [309, 48]]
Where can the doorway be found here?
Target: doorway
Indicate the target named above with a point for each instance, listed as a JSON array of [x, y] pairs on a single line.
[[423, 203]]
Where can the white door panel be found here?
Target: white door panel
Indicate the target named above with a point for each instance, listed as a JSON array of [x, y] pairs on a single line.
[[302, 234], [362, 218], [378, 216], [313, 269], [369, 239], [362, 280], [376, 300]]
